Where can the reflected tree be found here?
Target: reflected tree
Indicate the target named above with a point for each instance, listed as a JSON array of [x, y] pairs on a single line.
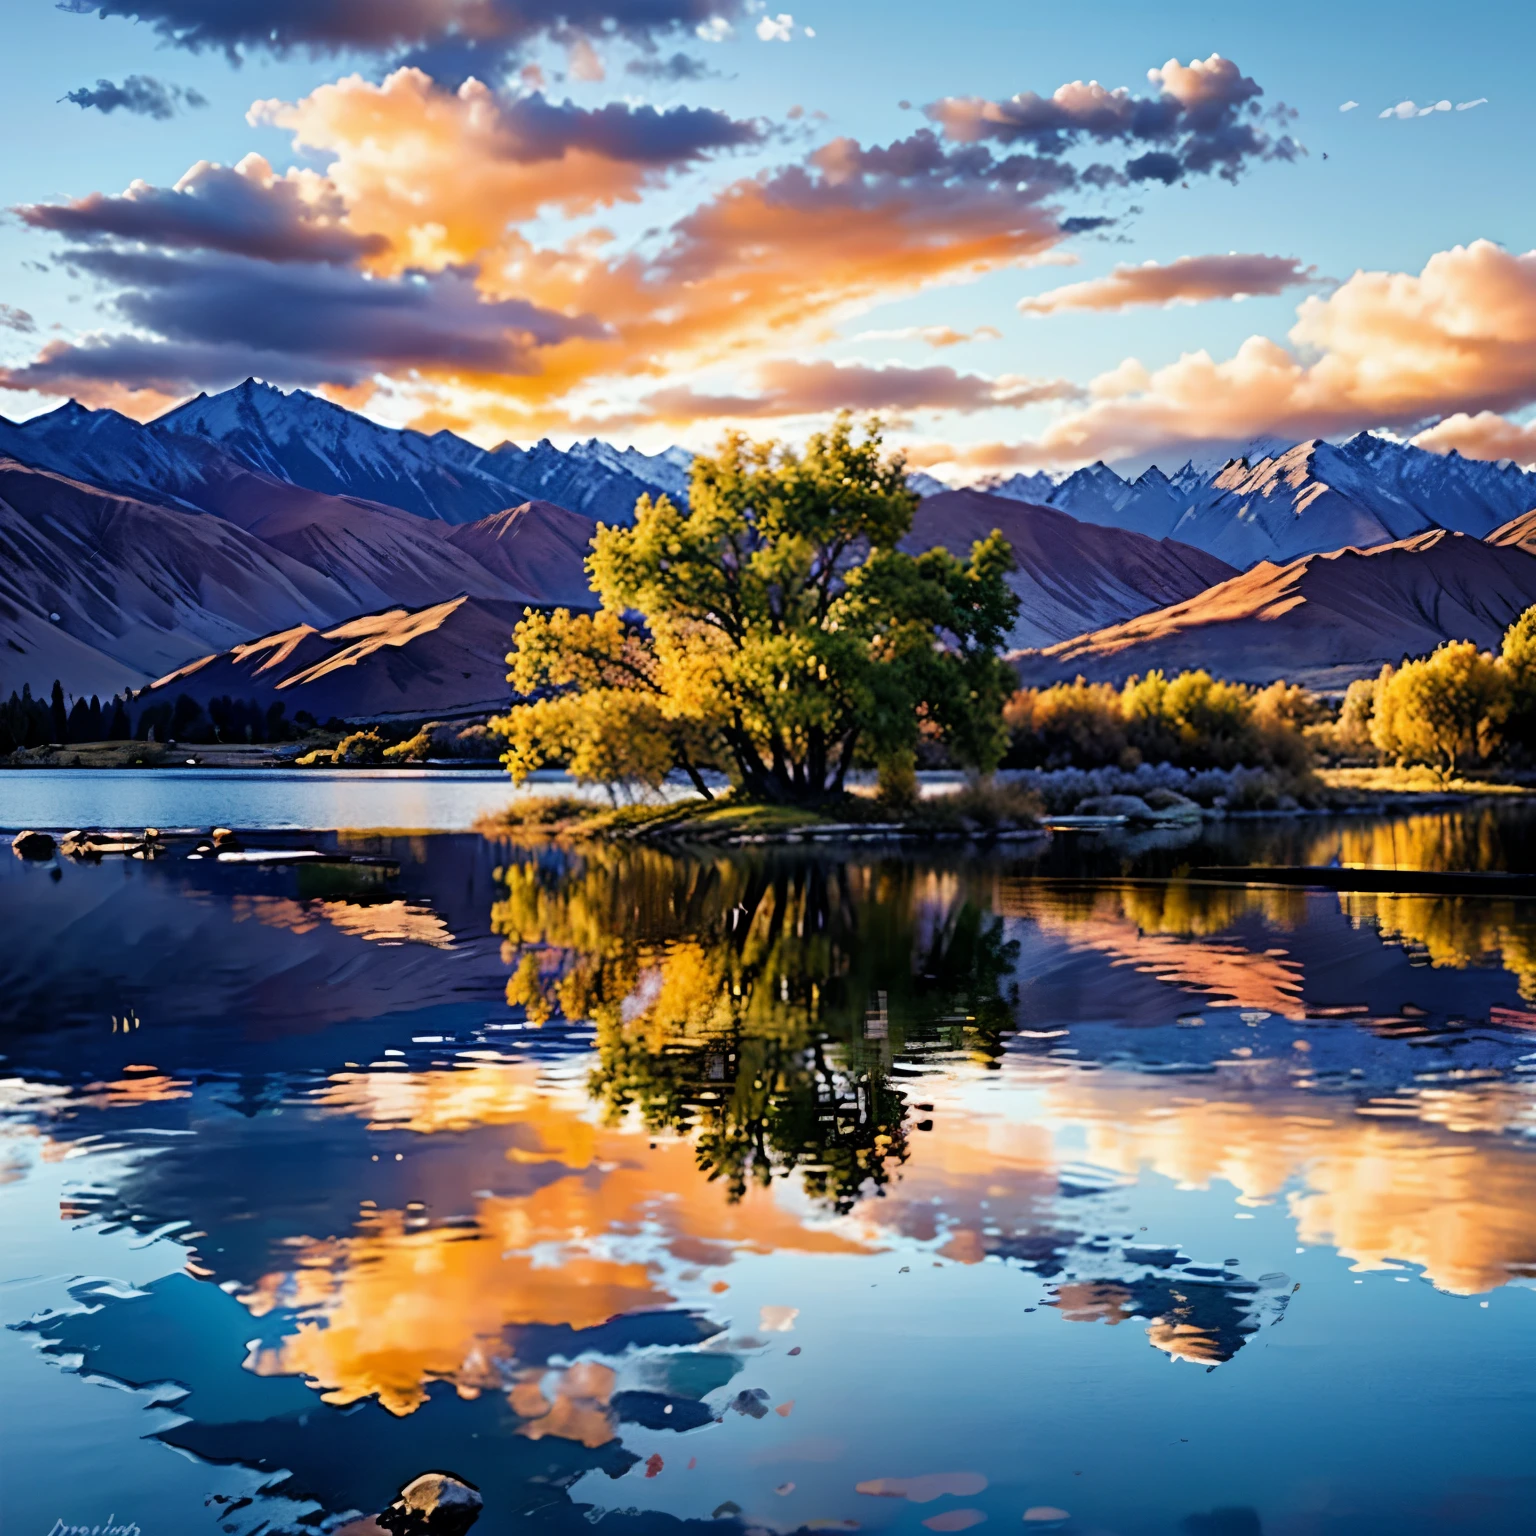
[[760, 1004]]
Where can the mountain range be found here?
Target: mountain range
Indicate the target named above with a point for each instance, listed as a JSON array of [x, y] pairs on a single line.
[[130, 551], [1308, 499]]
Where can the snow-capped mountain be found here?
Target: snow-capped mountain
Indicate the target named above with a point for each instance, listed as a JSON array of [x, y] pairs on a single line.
[[307, 441], [299, 439], [1321, 496], [1295, 500], [593, 478]]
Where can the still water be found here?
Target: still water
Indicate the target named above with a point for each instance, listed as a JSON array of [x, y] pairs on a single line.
[[760, 1192], [422, 799]]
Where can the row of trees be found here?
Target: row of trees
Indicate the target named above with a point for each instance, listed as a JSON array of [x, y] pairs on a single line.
[[773, 631], [1192, 720], [30, 722], [1454, 707]]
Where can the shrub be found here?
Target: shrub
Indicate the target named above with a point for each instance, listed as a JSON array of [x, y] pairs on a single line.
[[360, 749], [1192, 720]]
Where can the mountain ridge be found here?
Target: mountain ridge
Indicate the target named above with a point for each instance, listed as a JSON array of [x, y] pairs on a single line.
[[1320, 620]]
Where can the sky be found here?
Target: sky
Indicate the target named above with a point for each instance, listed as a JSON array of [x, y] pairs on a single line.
[[1029, 236]]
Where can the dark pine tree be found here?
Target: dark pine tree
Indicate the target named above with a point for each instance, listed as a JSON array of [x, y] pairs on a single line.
[[78, 725], [59, 716], [96, 720], [119, 729]]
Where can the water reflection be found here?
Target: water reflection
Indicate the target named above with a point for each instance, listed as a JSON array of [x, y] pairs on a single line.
[[547, 1166]]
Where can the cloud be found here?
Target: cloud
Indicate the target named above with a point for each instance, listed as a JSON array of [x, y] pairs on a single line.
[[1477, 101], [245, 210], [1205, 117], [142, 95], [585, 63], [13, 319], [1189, 280], [715, 30], [1349, 106], [934, 335], [792, 388], [1385, 349], [677, 68], [1483, 436], [776, 29], [419, 253], [212, 320], [1407, 109], [452, 35], [442, 174]]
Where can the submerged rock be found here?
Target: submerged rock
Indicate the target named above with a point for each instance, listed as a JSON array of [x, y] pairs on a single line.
[[32, 845], [434, 1504]]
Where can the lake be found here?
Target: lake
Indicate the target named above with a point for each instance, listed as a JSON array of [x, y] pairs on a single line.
[[423, 799], [765, 1191]]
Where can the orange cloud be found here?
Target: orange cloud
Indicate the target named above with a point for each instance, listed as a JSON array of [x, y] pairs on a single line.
[[1189, 280], [1390, 349], [790, 388], [1483, 436]]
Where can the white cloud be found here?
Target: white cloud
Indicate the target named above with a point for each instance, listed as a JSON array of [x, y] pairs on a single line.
[[809, 31], [776, 29], [715, 30], [1466, 106], [1349, 106], [1406, 109]]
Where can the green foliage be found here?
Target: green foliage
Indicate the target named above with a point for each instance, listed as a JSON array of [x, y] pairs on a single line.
[[782, 635], [1445, 708]]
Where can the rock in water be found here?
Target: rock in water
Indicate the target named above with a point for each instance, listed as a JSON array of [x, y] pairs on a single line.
[[32, 845], [434, 1504], [226, 841]]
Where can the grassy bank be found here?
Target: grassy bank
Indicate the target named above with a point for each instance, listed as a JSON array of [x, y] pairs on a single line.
[[1415, 781], [980, 813]]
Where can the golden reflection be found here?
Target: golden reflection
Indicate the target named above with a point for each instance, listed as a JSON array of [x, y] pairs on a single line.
[[1454, 932], [1381, 1190], [1462, 838], [399, 1304], [382, 922]]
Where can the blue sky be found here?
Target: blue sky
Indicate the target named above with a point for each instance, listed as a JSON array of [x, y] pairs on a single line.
[[1390, 195]]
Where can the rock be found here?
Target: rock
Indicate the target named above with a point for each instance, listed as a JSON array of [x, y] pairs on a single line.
[[1132, 807], [433, 1504], [225, 841], [1172, 806], [32, 845]]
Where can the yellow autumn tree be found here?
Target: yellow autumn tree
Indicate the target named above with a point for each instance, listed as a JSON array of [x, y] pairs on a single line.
[[1444, 709]]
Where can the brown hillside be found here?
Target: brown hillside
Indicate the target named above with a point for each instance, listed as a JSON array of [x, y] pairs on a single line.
[[1071, 576], [1320, 620]]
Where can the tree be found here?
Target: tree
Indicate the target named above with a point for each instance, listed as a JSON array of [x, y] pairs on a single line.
[[119, 729], [1442, 708], [58, 717], [1517, 657], [772, 629]]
